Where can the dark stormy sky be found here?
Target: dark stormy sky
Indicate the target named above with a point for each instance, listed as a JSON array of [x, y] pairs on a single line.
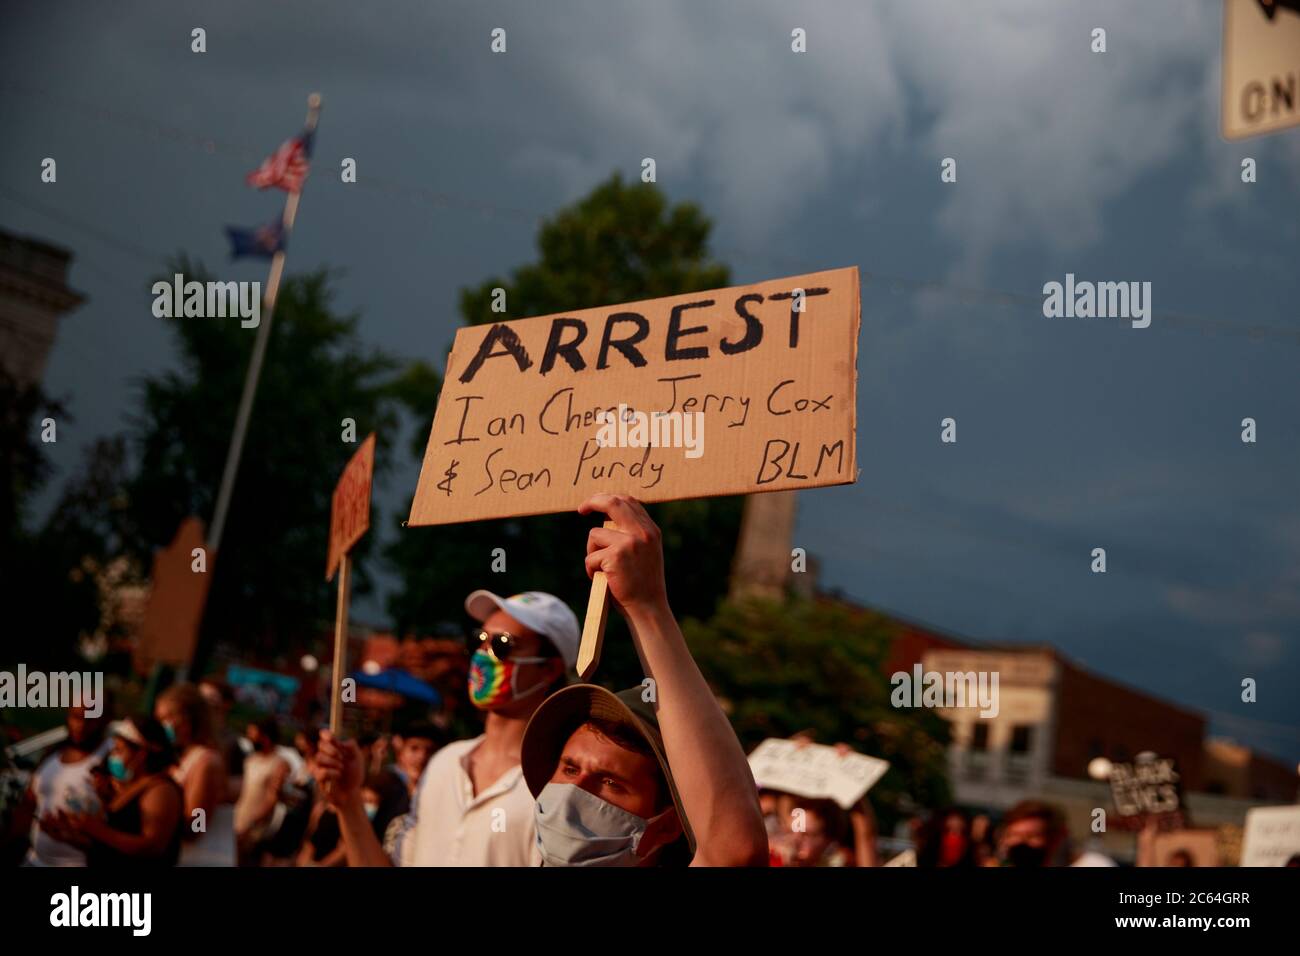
[[1072, 434]]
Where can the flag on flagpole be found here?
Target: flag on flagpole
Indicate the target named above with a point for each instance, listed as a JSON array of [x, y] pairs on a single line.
[[287, 167], [262, 242]]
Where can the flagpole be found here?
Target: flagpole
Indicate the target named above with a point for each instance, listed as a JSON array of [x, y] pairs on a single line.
[[259, 354]]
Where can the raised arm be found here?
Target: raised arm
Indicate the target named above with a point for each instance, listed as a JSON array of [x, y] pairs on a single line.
[[338, 771], [708, 764]]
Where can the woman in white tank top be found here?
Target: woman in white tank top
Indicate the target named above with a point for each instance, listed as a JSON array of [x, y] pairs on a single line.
[[201, 773]]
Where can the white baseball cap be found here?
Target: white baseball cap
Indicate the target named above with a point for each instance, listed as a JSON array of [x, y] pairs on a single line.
[[536, 610]]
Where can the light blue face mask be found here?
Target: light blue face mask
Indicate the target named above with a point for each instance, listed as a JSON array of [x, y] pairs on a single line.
[[577, 828], [117, 768]]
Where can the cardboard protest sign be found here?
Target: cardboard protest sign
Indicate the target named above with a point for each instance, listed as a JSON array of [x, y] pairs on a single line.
[[1201, 846], [730, 391], [1148, 788], [350, 508], [1229, 837], [349, 520], [815, 771], [1272, 836], [170, 631]]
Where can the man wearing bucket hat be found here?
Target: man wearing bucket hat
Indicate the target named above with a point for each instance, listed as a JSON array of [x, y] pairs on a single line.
[[652, 776], [472, 806]]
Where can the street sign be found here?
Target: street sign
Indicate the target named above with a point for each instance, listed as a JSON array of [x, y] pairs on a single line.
[[1261, 66]]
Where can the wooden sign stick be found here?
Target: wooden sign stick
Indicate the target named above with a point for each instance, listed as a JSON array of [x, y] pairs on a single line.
[[340, 645], [349, 521], [593, 628]]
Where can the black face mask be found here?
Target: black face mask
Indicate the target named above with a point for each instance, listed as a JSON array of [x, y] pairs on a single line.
[[1022, 854]]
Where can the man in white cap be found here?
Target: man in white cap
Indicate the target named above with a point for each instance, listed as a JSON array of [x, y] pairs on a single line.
[[473, 806]]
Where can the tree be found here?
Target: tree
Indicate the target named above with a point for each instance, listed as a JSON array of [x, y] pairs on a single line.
[[41, 590], [22, 456], [269, 593], [621, 243], [817, 666]]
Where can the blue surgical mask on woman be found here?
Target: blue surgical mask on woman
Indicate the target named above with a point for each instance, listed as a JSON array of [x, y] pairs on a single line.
[[117, 768], [577, 828]]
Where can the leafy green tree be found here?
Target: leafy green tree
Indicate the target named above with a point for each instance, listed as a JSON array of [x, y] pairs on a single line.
[[268, 593], [621, 243], [22, 455], [818, 666], [43, 597]]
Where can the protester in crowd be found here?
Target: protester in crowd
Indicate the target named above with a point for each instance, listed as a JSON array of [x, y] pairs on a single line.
[[862, 825], [471, 806], [298, 798], [386, 798], [63, 781], [322, 844], [413, 747], [221, 699], [598, 763], [981, 836], [1087, 856], [817, 834], [186, 718], [803, 832], [142, 822], [1033, 835], [265, 774], [767, 805], [945, 840], [306, 741], [600, 799], [376, 748]]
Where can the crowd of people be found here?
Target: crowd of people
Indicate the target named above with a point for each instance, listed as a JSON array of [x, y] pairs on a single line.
[[563, 774]]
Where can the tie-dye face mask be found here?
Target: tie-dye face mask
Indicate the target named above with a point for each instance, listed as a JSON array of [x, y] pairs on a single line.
[[493, 683]]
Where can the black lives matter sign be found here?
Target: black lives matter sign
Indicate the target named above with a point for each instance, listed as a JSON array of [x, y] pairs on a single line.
[[1149, 787]]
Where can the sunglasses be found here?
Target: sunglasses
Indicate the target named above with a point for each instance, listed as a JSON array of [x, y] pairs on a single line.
[[502, 644]]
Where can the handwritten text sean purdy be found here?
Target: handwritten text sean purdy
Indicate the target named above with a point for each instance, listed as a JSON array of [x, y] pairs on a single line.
[[770, 369]]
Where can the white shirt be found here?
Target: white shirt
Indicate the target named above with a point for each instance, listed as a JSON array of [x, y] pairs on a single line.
[[1093, 858], [449, 826], [62, 786], [259, 768], [216, 845]]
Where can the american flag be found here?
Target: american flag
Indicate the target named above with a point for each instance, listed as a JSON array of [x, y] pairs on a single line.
[[286, 168]]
